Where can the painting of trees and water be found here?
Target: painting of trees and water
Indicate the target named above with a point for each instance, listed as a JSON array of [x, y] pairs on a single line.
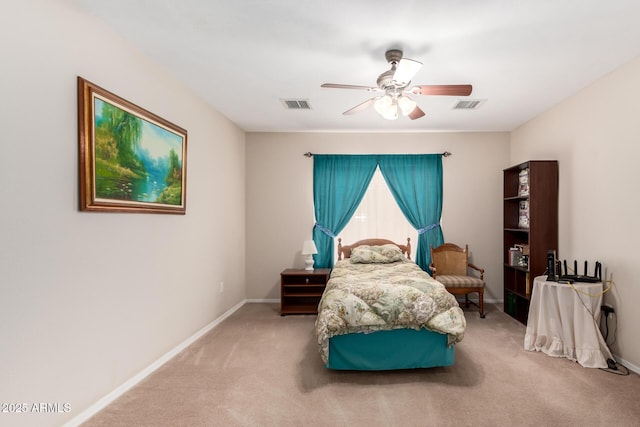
[[136, 160]]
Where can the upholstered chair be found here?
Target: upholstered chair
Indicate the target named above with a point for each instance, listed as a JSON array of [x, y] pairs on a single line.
[[450, 266]]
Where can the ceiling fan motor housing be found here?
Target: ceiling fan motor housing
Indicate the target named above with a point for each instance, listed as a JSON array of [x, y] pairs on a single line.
[[393, 56], [385, 80]]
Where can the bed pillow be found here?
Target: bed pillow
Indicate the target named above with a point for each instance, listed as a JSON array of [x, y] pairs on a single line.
[[383, 254]]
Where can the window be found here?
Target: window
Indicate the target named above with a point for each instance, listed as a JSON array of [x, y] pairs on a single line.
[[378, 215]]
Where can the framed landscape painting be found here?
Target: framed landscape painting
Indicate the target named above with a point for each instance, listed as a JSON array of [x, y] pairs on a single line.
[[130, 159]]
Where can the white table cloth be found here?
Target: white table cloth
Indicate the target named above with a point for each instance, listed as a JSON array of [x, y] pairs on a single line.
[[564, 322]]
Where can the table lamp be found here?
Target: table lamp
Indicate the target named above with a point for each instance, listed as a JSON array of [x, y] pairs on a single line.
[[308, 249]]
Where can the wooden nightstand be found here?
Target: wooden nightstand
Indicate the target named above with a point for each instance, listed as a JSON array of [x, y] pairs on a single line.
[[300, 290]]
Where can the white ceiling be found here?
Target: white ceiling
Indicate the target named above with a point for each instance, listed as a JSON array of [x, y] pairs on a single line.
[[244, 56]]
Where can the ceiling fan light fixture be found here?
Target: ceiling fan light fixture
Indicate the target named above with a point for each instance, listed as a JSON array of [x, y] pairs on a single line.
[[406, 104], [392, 113], [393, 85], [387, 107], [383, 104]]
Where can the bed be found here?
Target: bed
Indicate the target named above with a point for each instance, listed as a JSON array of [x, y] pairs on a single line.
[[381, 311]]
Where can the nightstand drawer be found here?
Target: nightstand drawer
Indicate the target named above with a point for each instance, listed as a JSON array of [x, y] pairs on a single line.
[[303, 279]]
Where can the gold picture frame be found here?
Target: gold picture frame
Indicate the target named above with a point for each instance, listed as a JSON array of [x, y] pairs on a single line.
[[130, 160]]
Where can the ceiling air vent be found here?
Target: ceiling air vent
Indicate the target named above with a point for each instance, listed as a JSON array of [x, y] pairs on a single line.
[[468, 104], [296, 104]]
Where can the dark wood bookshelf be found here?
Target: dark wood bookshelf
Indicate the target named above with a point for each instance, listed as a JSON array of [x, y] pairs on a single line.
[[541, 235]]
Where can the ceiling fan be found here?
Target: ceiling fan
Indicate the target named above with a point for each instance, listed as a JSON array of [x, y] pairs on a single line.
[[394, 91]]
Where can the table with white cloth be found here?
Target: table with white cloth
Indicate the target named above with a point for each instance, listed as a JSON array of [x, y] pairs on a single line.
[[564, 322]]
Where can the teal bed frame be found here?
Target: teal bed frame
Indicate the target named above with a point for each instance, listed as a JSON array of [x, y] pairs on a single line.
[[390, 350]]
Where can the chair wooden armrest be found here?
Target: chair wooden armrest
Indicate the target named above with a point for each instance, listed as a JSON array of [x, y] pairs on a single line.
[[478, 269], [433, 270]]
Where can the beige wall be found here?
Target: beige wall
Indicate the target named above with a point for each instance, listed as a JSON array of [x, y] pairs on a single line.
[[595, 135], [280, 195], [88, 300]]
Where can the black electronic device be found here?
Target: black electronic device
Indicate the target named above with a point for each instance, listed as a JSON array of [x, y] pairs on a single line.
[[597, 273], [551, 266]]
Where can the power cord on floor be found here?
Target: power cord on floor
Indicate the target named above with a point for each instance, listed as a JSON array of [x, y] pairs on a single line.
[[613, 367]]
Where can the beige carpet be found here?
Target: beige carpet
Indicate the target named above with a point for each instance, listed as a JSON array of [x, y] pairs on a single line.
[[260, 369]]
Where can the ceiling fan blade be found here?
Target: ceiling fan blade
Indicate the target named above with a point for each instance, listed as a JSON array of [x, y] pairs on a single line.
[[340, 86], [360, 106], [406, 69], [447, 90], [416, 113]]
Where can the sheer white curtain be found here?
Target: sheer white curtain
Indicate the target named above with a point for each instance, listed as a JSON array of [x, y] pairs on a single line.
[[378, 216]]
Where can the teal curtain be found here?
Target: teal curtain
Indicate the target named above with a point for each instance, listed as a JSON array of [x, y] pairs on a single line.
[[416, 184], [339, 184]]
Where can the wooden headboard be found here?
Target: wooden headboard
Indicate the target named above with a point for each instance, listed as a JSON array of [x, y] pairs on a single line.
[[345, 250]]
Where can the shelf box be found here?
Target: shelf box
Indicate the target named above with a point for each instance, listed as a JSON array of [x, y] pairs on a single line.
[[308, 291]]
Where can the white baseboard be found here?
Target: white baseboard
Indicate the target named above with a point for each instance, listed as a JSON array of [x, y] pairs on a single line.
[[106, 400], [270, 301]]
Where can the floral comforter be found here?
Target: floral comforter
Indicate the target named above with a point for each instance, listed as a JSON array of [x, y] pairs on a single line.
[[373, 297]]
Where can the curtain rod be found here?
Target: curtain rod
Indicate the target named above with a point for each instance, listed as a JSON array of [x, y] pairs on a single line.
[[310, 154]]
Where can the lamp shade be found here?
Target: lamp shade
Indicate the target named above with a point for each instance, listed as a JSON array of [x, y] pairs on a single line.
[[387, 107], [309, 248], [406, 105], [383, 104]]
